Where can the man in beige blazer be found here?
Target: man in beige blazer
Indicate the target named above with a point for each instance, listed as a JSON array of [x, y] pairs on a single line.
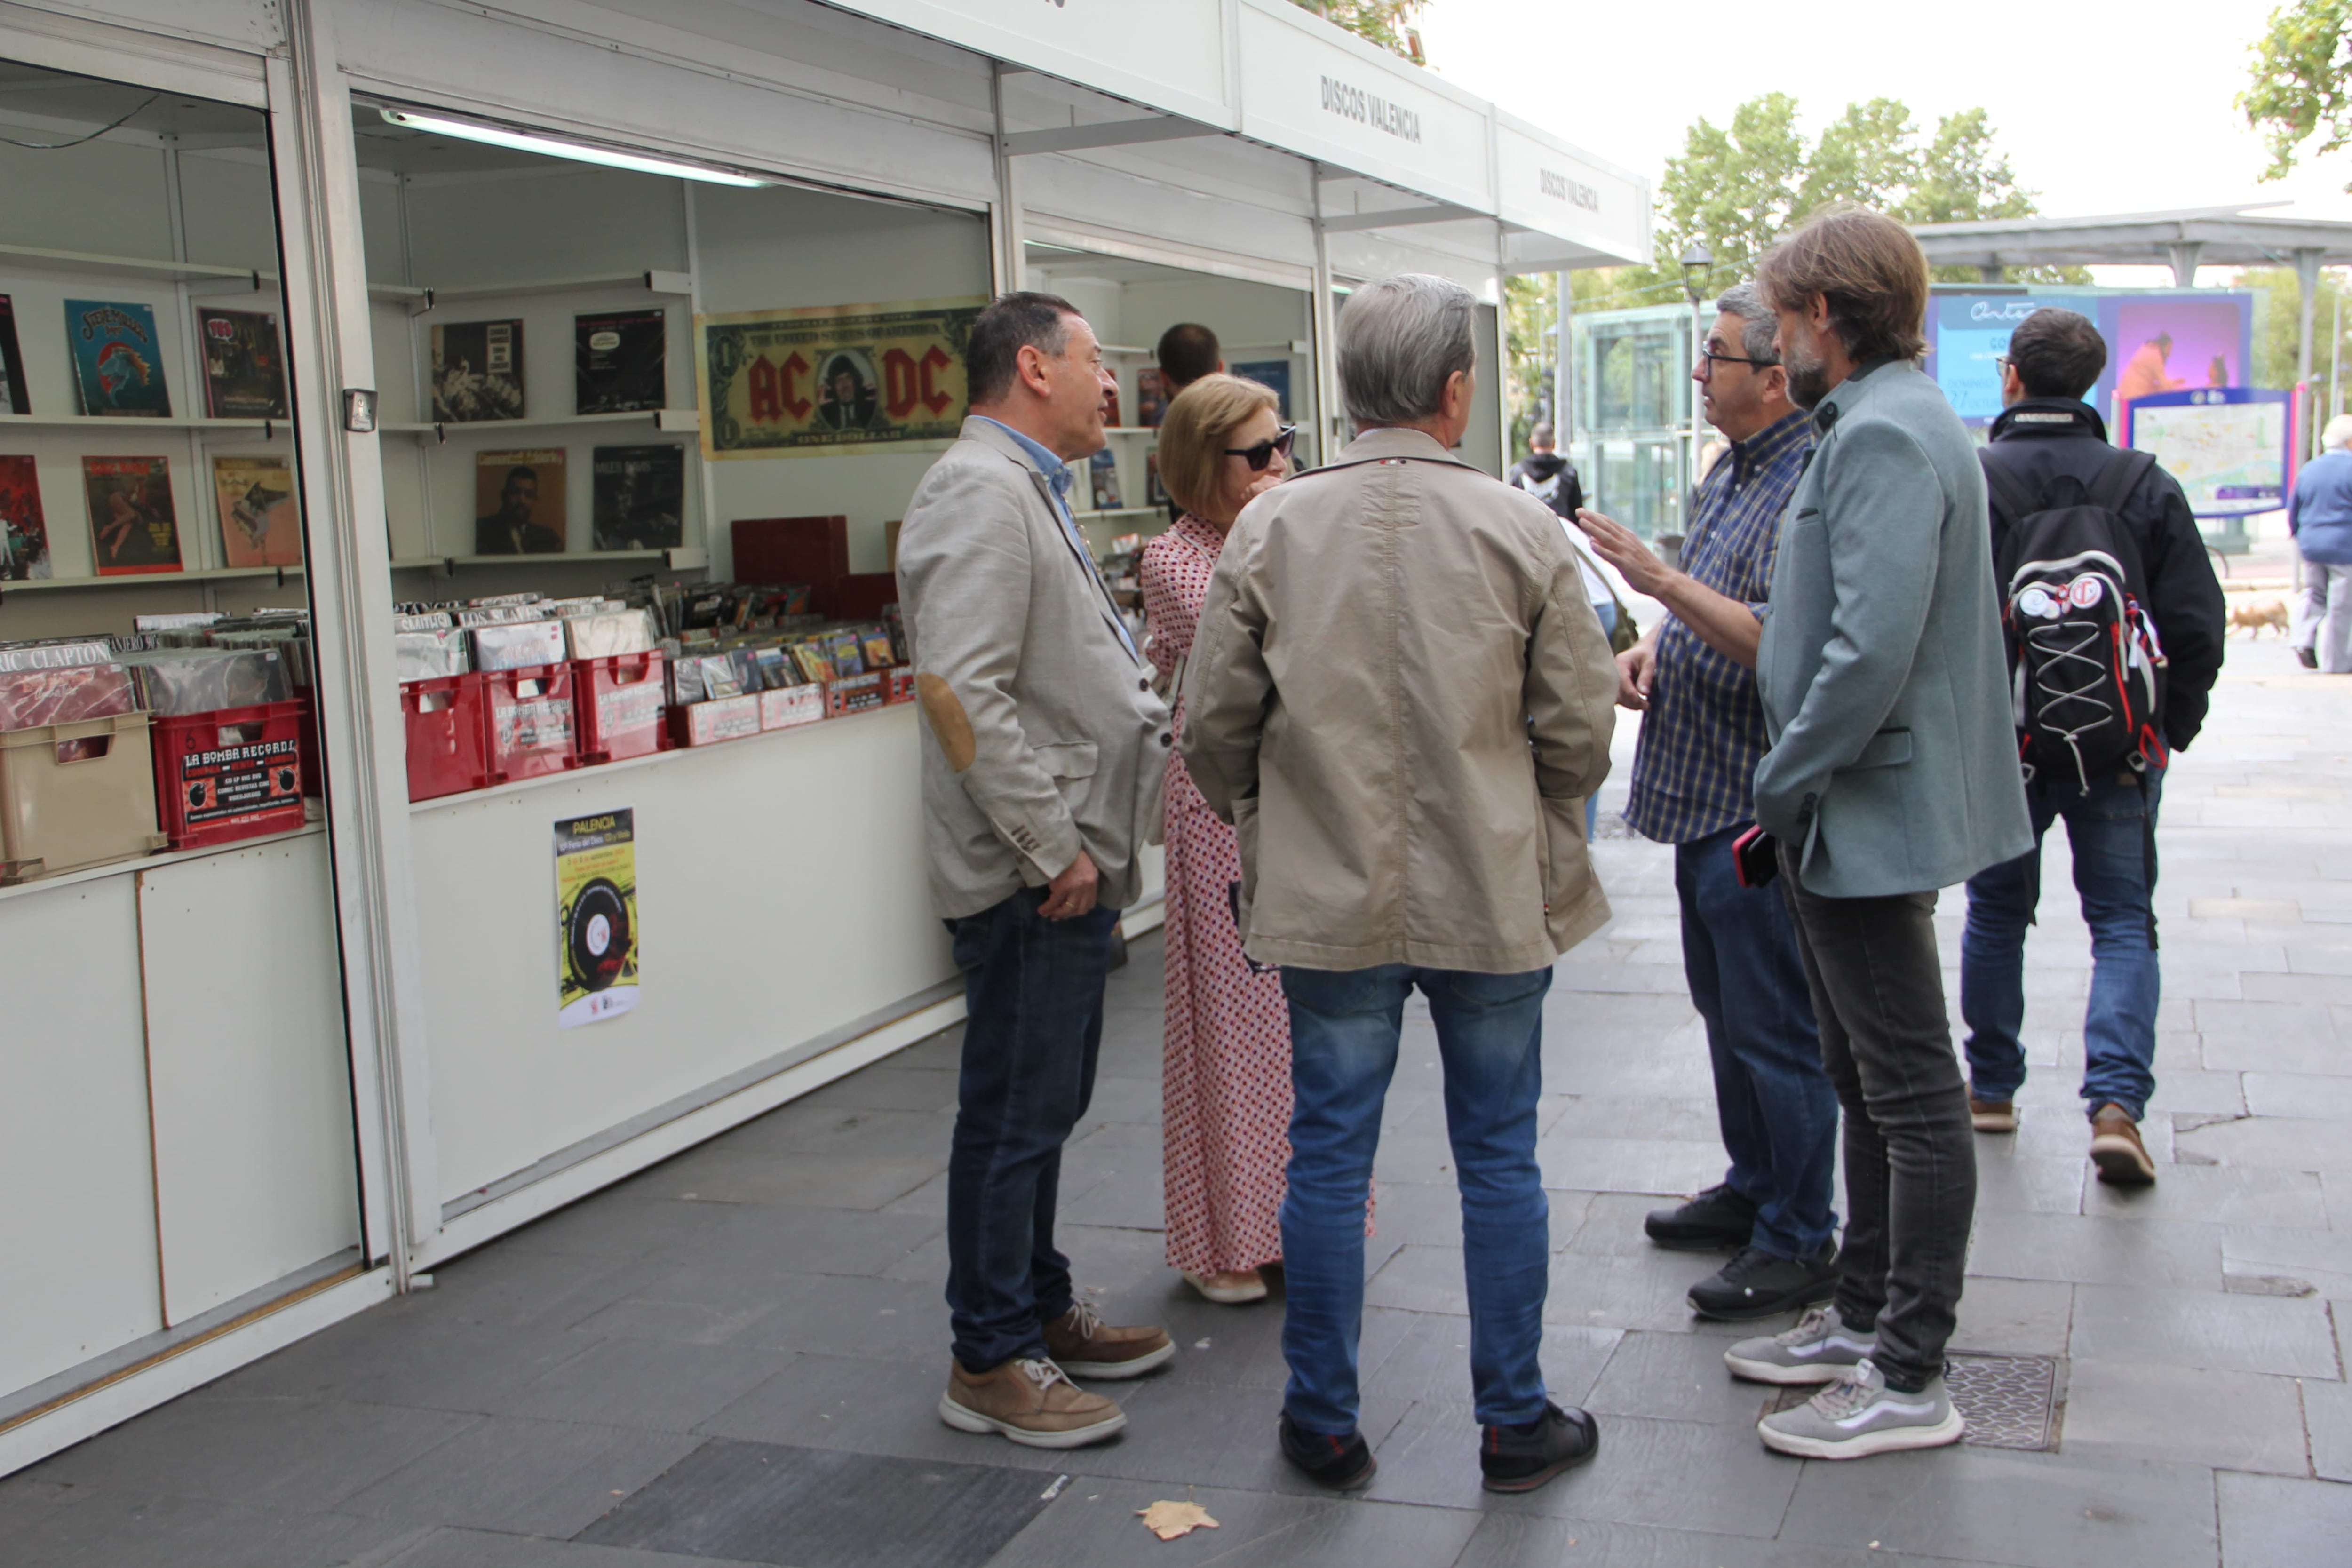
[[1401, 698], [1042, 758]]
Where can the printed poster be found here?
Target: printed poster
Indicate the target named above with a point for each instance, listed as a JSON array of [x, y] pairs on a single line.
[[832, 379], [257, 521], [118, 362], [595, 917]]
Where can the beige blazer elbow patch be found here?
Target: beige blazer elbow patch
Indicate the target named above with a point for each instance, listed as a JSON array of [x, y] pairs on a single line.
[[949, 722]]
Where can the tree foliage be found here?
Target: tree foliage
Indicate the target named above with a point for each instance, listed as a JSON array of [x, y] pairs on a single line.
[[2301, 82], [1381, 21], [2278, 327]]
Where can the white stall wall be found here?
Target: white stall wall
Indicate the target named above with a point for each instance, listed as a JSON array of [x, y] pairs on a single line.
[[770, 249], [247, 1070], [79, 1228]]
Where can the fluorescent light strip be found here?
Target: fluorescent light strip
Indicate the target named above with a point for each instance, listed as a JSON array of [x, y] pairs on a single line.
[[524, 142]]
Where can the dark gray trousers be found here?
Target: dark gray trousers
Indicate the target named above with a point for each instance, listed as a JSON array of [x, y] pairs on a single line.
[[1910, 1155]]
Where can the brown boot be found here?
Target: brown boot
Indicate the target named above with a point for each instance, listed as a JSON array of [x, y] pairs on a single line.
[[2117, 1150], [1086, 1346], [1030, 1402], [1993, 1115]]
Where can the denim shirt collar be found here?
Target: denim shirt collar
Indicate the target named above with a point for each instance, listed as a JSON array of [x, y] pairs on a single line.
[[1057, 473]]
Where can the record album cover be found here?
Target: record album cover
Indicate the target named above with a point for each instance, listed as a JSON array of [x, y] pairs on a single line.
[[23, 536], [1104, 469], [1154, 492], [1150, 396], [1272, 374], [519, 503], [1110, 406], [639, 497], [623, 362], [257, 521], [132, 525], [15, 396], [477, 371], [118, 362], [245, 368]]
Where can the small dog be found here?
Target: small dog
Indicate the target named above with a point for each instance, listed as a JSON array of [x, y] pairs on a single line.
[[2255, 614]]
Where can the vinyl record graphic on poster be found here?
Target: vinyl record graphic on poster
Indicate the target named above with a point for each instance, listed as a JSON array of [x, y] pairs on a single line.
[[639, 497], [245, 368], [132, 525], [15, 396], [24, 535], [118, 362], [1150, 396], [477, 371], [595, 917], [835, 378], [1274, 374], [1103, 468], [622, 363], [519, 503], [258, 523]]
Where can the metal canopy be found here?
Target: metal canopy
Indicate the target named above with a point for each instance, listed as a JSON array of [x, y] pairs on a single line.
[[2184, 240]]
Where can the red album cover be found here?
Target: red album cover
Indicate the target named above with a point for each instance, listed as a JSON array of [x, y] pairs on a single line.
[[23, 536], [131, 520]]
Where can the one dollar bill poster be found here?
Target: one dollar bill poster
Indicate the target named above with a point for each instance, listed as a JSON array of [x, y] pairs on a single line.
[[832, 379], [595, 917]]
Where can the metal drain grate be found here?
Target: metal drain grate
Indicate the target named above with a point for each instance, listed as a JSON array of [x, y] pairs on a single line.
[[2009, 1401]]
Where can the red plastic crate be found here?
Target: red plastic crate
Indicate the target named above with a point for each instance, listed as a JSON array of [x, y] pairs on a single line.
[[899, 684], [448, 739], [528, 720], [618, 703], [230, 775]]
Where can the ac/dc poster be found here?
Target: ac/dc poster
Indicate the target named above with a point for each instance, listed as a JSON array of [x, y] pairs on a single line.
[[835, 378], [595, 917]]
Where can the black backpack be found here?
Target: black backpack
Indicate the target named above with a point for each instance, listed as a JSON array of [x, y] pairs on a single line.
[[2086, 670]]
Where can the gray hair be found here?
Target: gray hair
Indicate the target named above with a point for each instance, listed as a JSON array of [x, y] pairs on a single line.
[[2339, 432], [1401, 340], [1746, 300]]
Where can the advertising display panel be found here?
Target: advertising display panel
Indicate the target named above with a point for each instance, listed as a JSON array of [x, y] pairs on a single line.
[[2157, 342], [2229, 446]]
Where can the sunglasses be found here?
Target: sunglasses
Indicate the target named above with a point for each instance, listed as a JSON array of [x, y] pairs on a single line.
[[1259, 456]]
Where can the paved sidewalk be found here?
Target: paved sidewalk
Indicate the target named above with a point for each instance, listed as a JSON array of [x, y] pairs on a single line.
[[735, 1357]]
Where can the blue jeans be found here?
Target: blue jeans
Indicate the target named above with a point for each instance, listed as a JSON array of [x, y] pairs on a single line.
[[1034, 998], [1343, 1049], [2111, 829], [1773, 1099]]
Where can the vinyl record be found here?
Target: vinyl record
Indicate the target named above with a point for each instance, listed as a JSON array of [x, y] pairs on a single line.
[[597, 934]]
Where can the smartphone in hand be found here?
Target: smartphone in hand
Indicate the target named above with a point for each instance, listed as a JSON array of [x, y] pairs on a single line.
[[1755, 857]]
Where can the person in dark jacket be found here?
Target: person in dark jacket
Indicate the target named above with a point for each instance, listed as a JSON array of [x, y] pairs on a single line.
[[2319, 515], [2055, 445], [1546, 475]]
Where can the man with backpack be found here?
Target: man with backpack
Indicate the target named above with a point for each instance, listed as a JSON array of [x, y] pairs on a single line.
[[1544, 474], [2114, 623]]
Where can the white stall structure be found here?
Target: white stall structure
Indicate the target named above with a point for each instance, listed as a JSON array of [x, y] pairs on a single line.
[[249, 1090]]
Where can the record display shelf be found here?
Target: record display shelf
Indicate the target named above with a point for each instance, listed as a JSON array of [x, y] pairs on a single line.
[[150, 579], [668, 421]]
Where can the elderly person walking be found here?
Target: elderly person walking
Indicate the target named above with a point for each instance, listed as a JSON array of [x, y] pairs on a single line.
[[1224, 1131], [1040, 767], [1401, 698], [2319, 516]]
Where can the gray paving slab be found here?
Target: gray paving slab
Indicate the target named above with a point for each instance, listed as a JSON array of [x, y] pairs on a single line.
[[2098, 1250], [1520, 1540], [1426, 1356], [1677, 1377], [494, 1549], [1987, 1505], [59, 1526], [2217, 1194], [2292, 1261], [2014, 1317], [1094, 1524], [2270, 1522], [405, 1360], [2328, 1423], [2147, 1410], [659, 1385], [523, 1477], [2288, 1338]]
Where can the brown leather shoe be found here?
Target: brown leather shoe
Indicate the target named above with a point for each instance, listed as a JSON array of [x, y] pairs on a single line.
[[2117, 1150], [1030, 1402], [1086, 1346], [1993, 1115]]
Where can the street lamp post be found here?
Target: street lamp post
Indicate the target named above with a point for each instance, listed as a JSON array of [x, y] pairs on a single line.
[[1696, 260]]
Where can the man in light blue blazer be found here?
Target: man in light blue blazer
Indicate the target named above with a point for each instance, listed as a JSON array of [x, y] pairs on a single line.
[[1893, 773]]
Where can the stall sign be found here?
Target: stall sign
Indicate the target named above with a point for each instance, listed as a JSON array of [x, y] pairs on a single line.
[[595, 917], [832, 379]]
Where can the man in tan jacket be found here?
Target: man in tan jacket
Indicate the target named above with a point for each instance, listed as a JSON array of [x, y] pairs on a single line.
[[1401, 698]]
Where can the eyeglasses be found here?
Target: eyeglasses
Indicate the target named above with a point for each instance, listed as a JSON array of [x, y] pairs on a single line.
[[2000, 362], [1259, 456], [1709, 359]]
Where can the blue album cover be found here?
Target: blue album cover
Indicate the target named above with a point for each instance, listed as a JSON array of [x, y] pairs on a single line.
[[118, 359], [1269, 372]]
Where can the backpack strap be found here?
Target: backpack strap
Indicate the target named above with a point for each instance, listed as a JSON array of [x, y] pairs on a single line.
[[2123, 472], [2012, 496]]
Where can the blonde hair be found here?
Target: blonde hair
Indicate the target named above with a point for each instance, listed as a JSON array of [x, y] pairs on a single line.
[[1200, 421]]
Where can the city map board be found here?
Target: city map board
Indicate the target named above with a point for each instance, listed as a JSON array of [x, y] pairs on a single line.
[[2227, 445]]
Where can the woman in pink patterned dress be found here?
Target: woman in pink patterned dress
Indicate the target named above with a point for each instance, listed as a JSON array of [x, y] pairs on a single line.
[[1226, 1127]]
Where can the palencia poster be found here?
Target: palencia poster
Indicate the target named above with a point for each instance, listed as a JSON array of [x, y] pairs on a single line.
[[595, 917], [834, 378]]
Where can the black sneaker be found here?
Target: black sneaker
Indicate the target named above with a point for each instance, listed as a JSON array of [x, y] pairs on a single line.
[[2307, 657], [1343, 1464], [1521, 1458], [1755, 1284], [1717, 1218]]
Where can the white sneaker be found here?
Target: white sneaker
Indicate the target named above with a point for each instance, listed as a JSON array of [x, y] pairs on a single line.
[[1820, 1349], [1861, 1416], [1237, 1288]]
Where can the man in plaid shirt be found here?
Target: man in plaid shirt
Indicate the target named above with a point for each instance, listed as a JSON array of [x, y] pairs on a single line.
[[1702, 732]]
